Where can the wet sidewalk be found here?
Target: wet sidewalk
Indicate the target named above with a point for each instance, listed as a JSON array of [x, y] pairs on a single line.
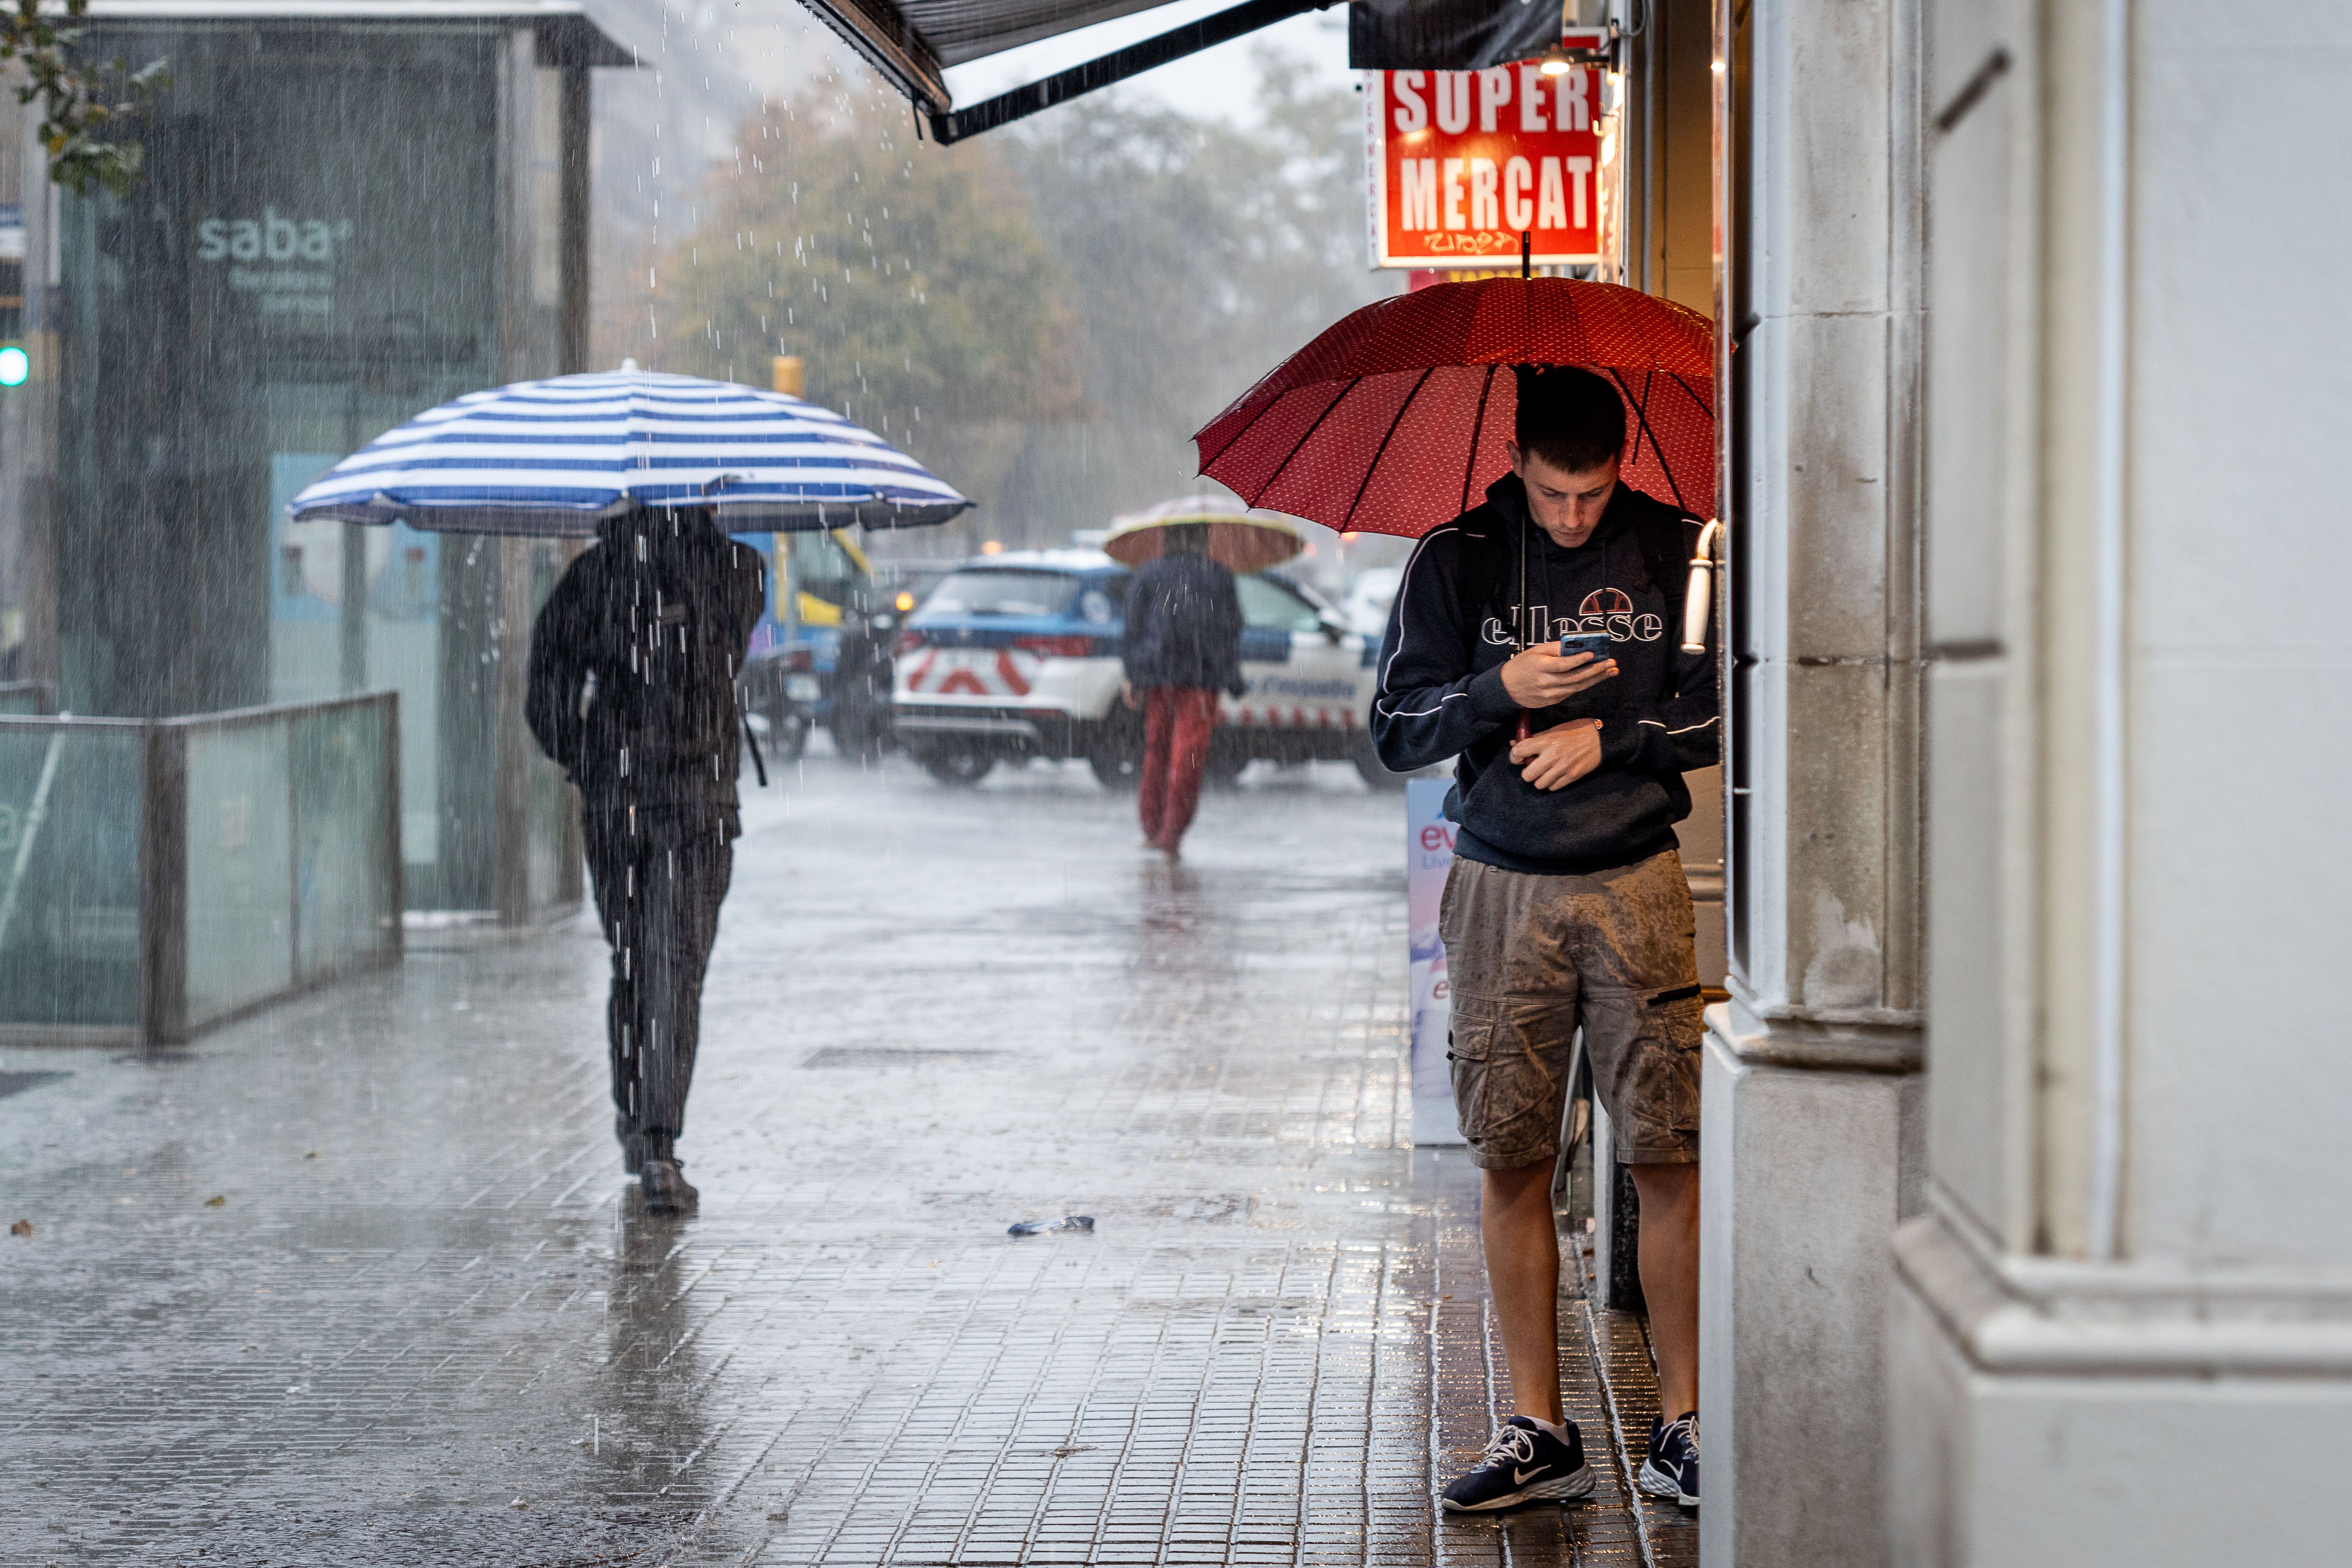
[[360, 1282]]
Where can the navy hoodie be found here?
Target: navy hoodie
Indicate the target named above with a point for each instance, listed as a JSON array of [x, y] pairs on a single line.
[[1441, 692]]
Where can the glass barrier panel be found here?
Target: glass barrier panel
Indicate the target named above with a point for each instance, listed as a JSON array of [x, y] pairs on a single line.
[[70, 822], [240, 868], [341, 797]]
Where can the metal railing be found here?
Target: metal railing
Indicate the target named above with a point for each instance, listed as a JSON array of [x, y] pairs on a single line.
[[160, 876], [29, 697]]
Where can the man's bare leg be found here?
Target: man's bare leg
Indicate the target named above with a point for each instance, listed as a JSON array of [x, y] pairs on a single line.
[[1669, 1266], [1515, 1222]]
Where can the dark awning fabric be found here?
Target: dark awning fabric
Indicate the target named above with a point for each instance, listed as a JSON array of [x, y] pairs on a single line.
[[912, 41], [1449, 35]]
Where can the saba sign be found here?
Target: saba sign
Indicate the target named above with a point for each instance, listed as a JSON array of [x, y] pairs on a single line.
[[270, 237]]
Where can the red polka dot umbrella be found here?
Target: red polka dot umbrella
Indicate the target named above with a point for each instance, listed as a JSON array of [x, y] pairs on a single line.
[[1393, 420]]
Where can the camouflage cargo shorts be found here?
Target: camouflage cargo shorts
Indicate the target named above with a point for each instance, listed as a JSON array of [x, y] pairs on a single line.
[[1529, 958]]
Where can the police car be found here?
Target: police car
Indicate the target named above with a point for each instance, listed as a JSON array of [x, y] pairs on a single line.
[[1016, 656]]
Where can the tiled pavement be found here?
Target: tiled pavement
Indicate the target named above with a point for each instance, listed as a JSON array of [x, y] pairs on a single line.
[[425, 1325]]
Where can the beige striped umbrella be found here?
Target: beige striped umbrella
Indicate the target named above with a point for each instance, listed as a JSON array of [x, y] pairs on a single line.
[[1239, 539]]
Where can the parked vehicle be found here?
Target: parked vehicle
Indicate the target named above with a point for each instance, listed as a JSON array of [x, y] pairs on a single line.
[[1016, 656], [1369, 598], [829, 666]]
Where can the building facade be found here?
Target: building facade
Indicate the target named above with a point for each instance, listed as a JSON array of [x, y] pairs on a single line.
[[2024, 1232], [343, 219]]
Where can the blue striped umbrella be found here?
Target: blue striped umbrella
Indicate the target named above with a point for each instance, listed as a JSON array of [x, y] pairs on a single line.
[[553, 457]]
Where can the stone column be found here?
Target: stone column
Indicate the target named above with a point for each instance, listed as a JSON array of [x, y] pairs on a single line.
[[1811, 1097], [2123, 1328]]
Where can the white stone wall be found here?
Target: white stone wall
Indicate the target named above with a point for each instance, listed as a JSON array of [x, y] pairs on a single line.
[[2123, 1334], [1811, 1113]]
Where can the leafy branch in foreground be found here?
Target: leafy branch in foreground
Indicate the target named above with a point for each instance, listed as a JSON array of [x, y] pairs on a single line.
[[80, 105]]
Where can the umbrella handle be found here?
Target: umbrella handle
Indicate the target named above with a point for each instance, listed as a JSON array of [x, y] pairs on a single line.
[[1525, 726], [1698, 598]]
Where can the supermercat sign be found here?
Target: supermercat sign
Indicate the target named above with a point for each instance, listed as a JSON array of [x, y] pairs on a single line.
[[1463, 162]]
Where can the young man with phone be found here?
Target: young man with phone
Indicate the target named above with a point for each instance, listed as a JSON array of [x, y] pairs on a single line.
[[1537, 639]]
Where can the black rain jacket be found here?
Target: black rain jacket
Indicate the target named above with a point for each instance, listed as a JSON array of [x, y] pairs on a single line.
[[634, 661], [1183, 626]]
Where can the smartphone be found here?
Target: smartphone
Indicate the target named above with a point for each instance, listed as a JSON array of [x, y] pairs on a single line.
[[1594, 643]]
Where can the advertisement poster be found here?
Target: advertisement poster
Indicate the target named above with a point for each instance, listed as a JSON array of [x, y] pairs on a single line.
[[1463, 162], [1428, 854]]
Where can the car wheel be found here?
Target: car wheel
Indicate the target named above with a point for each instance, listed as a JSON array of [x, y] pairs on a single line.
[[1115, 770], [1116, 752], [1368, 767], [960, 767]]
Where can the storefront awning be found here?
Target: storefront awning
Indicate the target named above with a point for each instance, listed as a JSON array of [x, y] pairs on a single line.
[[911, 42]]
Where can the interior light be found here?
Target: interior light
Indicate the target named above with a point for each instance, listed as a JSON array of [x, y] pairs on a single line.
[[993, 547], [905, 602], [16, 366]]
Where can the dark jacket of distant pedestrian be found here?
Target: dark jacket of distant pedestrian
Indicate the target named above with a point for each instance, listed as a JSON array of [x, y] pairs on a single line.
[[634, 661], [1183, 646], [1183, 623], [633, 667]]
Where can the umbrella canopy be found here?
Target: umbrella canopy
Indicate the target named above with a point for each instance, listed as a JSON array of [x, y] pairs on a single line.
[[552, 457], [1393, 420], [1238, 538]]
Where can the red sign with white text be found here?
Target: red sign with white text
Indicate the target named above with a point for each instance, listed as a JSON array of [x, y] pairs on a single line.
[[1463, 161]]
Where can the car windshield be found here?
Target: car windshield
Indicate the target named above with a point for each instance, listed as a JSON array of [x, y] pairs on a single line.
[[1008, 592], [1269, 605]]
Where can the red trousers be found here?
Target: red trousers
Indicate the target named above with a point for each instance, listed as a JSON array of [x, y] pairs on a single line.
[[1177, 723]]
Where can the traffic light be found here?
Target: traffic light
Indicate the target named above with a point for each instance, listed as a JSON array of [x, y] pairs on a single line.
[[16, 364]]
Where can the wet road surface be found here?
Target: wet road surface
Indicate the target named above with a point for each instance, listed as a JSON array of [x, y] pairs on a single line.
[[360, 1280]]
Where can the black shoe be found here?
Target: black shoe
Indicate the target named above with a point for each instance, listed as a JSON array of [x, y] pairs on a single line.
[[665, 1186], [1672, 1468], [1523, 1464]]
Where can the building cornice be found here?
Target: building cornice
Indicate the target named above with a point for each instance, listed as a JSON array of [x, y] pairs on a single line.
[[2052, 1317], [1854, 1040]]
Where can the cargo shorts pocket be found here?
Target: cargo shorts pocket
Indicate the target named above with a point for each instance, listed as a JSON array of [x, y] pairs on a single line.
[[1510, 1078], [1656, 1112]]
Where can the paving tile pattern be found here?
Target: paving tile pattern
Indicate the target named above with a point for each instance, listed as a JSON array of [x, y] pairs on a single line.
[[427, 1323]]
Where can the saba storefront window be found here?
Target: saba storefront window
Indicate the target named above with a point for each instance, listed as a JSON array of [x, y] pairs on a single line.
[[311, 258]]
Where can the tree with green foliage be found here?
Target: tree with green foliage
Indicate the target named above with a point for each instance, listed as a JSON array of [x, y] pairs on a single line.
[[909, 279], [1200, 253], [82, 105], [1044, 315]]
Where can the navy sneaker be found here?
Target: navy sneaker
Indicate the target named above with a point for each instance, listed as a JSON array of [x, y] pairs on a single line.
[[1523, 1464], [1672, 1468]]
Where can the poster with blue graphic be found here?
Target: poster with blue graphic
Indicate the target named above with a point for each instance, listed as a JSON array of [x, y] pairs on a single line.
[[1429, 855]]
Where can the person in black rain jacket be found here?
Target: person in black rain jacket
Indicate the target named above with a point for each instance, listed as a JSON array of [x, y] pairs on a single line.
[[634, 661], [1183, 646], [1566, 906]]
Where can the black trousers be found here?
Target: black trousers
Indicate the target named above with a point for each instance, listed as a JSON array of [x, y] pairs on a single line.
[[659, 877]]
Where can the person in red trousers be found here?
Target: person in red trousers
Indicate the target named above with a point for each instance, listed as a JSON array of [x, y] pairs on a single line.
[[1183, 646]]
